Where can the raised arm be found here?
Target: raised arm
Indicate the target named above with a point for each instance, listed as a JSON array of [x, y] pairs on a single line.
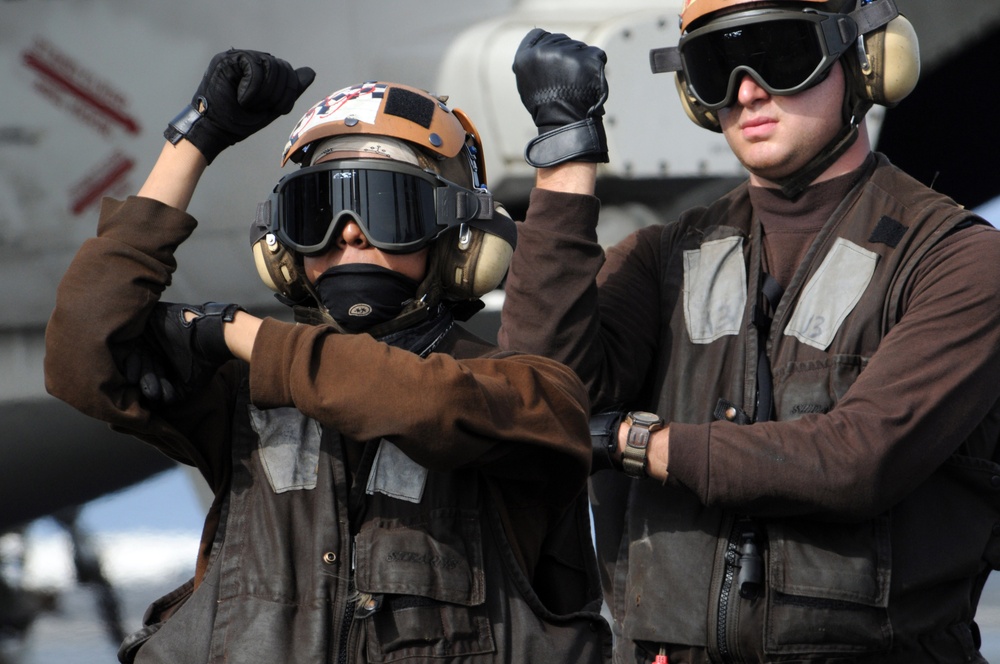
[[551, 305], [110, 288], [175, 175]]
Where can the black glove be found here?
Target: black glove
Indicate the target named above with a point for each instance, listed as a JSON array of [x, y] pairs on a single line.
[[604, 439], [146, 369], [240, 93], [176, 356], [561, 83]]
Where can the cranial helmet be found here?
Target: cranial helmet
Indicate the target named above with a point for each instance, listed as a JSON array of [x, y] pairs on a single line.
[[787, 46], [409, 170]]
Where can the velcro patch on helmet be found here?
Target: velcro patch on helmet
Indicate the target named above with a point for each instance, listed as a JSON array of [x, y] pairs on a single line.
[[409, 105]]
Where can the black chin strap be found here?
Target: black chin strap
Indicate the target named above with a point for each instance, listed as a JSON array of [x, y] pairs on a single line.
[[795, 184], [868, 17]]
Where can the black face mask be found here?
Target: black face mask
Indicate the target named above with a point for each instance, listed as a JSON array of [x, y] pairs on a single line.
[[360, 295]]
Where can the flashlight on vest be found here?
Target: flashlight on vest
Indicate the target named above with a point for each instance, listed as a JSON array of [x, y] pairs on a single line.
[[750, 580]]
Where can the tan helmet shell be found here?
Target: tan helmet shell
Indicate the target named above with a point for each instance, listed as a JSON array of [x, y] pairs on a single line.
[[695, 9], [384, 109]]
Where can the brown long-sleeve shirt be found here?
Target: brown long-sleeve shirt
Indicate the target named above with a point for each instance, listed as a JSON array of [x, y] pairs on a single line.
[[519, 419], [600, 314]]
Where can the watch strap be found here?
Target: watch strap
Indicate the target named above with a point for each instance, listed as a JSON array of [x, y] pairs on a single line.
[[635, 454]]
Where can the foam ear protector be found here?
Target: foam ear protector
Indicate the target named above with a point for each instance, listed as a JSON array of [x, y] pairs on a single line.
[[893, 63], [472, 261], [278, 268], [694, 110]]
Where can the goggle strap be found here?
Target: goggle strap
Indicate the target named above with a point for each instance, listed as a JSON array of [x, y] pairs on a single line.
[[485, 199], [874, 15], [500, 226], [665, 59], [463, 201], [262, 222], [468, 204]]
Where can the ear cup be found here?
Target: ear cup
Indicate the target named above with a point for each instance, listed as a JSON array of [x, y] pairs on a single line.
[[471, 261], [893, 66], [698, 115], [278, 268]]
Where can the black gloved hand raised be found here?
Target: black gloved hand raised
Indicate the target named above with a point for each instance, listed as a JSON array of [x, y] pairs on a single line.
[[175, 356], [240, 93], [561, 83]]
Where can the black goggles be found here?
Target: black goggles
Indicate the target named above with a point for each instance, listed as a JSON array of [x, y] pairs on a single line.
[[400, 208], [785, 51]]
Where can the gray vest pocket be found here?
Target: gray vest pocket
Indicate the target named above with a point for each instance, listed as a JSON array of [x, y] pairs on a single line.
[[396, 475], [289, 447], [715, 289], [832, 293]]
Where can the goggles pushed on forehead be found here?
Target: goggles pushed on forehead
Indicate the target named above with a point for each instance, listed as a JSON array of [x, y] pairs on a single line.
[[784, 51], [400, 208]]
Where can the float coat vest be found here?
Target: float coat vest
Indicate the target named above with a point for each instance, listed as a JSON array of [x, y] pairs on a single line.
[[408, 564]]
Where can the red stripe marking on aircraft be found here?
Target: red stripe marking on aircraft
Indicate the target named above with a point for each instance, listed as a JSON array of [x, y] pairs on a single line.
[[95, 191], [70, 86]]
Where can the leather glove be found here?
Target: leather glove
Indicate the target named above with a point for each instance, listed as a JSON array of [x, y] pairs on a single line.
[[240, 93], [176, 356], [604, 439], [146, 369], [561, 83]]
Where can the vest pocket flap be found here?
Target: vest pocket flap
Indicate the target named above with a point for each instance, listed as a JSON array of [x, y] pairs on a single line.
[[417, 628], [438, 555], [845, 562], [289, 447], [841, 630]]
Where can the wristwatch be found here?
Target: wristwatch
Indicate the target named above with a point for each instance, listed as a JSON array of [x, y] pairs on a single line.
[[641, 425]]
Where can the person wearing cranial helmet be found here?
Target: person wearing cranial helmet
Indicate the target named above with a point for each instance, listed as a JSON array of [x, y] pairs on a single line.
[[387, 485], [788, 383], [409, 173]]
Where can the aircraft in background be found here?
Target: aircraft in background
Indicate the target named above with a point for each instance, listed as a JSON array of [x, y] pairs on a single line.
[[89, 85]]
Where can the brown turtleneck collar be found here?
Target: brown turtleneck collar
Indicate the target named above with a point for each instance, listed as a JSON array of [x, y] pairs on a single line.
[[790, 224]]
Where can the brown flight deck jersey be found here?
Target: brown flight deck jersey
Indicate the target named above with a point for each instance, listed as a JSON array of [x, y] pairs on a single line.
[[871, 499]]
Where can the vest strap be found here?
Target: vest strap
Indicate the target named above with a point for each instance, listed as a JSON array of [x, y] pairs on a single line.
[[771, 292]]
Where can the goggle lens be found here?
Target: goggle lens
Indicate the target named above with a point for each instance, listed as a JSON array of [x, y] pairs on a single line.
[[785, 55], [392, 208], [399, 208]]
